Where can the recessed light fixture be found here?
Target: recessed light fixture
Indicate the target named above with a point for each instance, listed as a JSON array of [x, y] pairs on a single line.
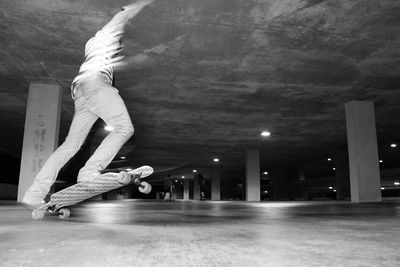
[[123, 157], [109, 128], [393, 145], [329, 159], [194, 171], [265, 134], [216, 160]]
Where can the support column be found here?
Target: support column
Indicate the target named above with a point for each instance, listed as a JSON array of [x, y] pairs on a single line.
[[215, 184], [363, 152], [42, 124], [342, 175], [196, 188], [186, 190], [177, 192], [252, 175]]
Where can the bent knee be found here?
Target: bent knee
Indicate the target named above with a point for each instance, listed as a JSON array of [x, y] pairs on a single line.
[[126, 130], [130, 131]]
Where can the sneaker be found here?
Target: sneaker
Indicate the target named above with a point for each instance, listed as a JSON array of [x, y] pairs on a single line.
[[143, 171], [32, 203]]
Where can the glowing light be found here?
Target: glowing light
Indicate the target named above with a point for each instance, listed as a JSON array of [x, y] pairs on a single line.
[[380, 161], [393, 145], [330, 187], [334, 190], [329, 159], [123, 157], [108, 128], [334, 169], [265, 173], [396, 183], [128, 169], [265, 134], [382, 188], [176, 181], [183, 177], [194, 171], [216, 160]]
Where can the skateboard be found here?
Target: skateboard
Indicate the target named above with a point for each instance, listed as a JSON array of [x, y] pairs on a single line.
[[88, 189]]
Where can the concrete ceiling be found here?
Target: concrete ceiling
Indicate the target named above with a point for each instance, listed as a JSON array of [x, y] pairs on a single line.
[[206, 77]]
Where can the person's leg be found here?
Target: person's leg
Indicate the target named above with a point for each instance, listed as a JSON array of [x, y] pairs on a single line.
[[109, 106], [81, 124]]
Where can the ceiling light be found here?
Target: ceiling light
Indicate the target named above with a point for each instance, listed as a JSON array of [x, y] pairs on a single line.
[[265, 134], [108, 128], [334, 190], [123, 157], [380, 161], [216, 160], [183, 177], [194, 171], [329, 159], [176, 181], [265, 173], [382, 188], [334, 169], [396, 183], [330, 187], [393, 145]]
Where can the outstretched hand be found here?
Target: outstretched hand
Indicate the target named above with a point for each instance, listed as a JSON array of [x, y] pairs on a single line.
[[138, 5]]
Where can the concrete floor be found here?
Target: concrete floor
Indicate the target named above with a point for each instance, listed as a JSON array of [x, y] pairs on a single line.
[[150, 233]]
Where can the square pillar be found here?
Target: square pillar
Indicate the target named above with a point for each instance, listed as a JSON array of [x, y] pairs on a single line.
[[186, 189], [42, 124], [196, 188], [215, 184], [253, 175], [365, 183]]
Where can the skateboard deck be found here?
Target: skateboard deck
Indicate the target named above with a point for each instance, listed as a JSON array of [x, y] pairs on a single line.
[[85, 190]]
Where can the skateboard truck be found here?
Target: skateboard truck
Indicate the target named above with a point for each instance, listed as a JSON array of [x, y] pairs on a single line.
[[144, 187]]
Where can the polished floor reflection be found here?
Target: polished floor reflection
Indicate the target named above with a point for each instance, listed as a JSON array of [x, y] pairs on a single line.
[[193, 233]]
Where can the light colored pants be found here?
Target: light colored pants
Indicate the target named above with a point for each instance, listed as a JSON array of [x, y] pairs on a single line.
[[95, 98]]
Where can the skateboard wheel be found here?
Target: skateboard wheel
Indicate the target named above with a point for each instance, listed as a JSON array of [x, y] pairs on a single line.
[[124, 177], [145, 187], [64, 213], [37, 214]]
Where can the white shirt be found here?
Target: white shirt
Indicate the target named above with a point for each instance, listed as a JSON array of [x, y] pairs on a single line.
[[101, 55]]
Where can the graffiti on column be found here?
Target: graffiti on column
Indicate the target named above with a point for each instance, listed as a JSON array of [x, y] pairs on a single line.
[[39, 138]]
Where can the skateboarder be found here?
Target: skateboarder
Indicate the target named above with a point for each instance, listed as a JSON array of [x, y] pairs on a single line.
[[94, 97]]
